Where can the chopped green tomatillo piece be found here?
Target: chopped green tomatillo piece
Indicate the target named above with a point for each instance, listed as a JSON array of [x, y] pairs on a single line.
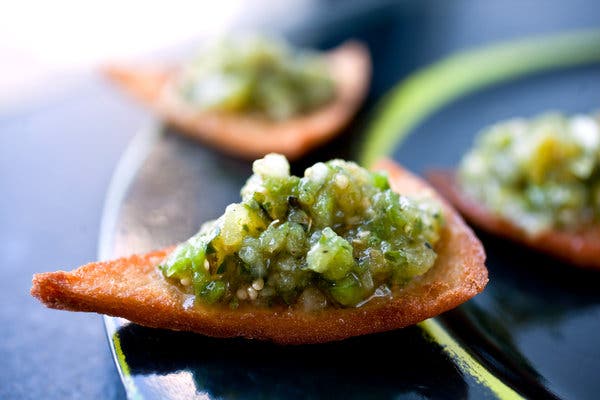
[[257, 75], [347, 291], [213, 291], [331, 255], [541, 173], [332, 237]]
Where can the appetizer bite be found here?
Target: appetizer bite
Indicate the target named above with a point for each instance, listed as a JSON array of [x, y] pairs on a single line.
[[251, 96], [534, 181], [336, 253]]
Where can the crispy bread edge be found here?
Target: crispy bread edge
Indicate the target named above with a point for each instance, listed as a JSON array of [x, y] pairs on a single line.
[[249, 136], [132, 288], [580, 248]]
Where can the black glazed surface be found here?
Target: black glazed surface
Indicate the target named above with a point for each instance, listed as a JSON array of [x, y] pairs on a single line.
[[57, 155]]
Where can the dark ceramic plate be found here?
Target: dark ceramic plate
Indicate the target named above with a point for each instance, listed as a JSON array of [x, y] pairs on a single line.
[[534, 330]]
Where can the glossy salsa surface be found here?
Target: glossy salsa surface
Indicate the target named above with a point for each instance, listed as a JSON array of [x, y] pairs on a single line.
[[541, 173], [256, 75], [338, 236]]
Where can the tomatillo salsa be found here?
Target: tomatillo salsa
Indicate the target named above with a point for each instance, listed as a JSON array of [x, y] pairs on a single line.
[[541, 173], [338, 236], [257, 75]]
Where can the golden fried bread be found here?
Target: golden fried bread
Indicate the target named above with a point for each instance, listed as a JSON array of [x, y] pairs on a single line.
[[135, 289], [580, 248], [253, 136]]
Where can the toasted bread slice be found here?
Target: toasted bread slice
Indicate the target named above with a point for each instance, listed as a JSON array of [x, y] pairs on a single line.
[[253, 136], [133, 288], [580, 248]]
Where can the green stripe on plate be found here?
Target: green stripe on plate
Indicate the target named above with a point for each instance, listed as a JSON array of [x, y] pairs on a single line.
[[466, 362], [418, 96]]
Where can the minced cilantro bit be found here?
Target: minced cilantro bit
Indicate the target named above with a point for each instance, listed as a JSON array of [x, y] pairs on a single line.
[[541, 173], [257, 75], [336, 236]]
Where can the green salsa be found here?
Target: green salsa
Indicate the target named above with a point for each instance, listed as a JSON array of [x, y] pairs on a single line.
[[336, 236], [540, 173], [259, 76]]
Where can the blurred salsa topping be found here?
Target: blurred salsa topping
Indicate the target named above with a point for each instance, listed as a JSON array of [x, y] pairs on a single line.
[[257, 75], [541, 173]]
